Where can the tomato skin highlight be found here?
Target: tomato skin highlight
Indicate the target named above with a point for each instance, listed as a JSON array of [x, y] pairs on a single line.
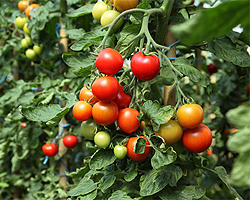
[[136, 156], [50, 149], [198, 139], [127, 120], [109, 61], [105, 88], [190, 115], [86, 94], [70, 141], [145, 67], [105, 113], [82, 111], [122, 99]]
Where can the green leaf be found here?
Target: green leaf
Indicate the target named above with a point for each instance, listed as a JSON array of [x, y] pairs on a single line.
[[101, 159], [161, 159], [3, 184], [108, 179], [84, 187], [130, 176], [90, 196], [239, 142], [119, 195], [80, 172], [75, 33], [157, 179], [212, 22], [239, 116], [224, 48], [159, 115], [140, 145], [84, 10], [81, 64]]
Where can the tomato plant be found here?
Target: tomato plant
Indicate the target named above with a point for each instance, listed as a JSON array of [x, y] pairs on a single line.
[[89, 128], [145, 67], [105, 113], [102, 139], [87, 95], [50, 149], [82, 111], [190, 115], [198, 139], [122, 99], [109, 61], [125, 5], [98, 10], [26, 29], [105, 88], [70, 141], [131, 146], [120, 151]]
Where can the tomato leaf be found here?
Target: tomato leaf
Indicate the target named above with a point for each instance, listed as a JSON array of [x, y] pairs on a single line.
[[130, 176], [157, 179], [80, 172], [204, 22], [76, 33], [108, 179], [102, 158], [140, 145], [84, 10], [160, 159], [119, 195], [84, 187]]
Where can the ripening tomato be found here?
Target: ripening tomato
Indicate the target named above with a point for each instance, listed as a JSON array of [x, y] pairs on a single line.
[[82, 111], [22, 5], [105, 113], [127, 120], [50, 149], [30, 8], [122, 99], [102, 139], [105, 88], [26, 29], [190, 115], [89, 128], [171, 132], [120, 151], [86, 94], [198, 139], [109, 16], [122, 5], [145, 67], [109, 61], [98, 10], [212, 68], [70, 141], [130, 149]]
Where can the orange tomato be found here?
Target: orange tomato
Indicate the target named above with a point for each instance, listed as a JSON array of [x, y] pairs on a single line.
[[122, 5], [29, 8], [22, 5]]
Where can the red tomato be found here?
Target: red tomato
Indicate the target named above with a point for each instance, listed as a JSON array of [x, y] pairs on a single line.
[[23, 124], [105, 88], [198, 139], [123, 99], [190, 115], [50, 149], [130, 149], [212, 68], [82, 111], [70, 141], [86, 94], [127, 120], [109, 61], [105, 113], [145, 67], [248, 89]]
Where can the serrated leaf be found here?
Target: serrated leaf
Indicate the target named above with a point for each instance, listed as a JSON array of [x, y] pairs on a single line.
[[204, 22], [84, 10], [157, 179], [80, 172], [101, 159], [84, 187], [119, 195], [161, 159]]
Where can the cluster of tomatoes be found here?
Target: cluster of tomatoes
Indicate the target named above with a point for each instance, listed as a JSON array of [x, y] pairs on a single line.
[[22, 24], [104, 13]]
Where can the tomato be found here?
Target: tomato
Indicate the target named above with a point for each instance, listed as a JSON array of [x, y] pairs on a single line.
[[30, 53], [26, 29], [127, 120], [209, 152], [145, 67], [22, 5], [23, 125], [82, 111], [190, 115], [86, 94], [212, 68], [29, 40], [109, 16], [109, 61], [50, 149], [20, 21], [102, 139], [227, 132], [122, 99], [89, 128], [248, 89], [105, 113], [122, 5], [105, 88], [130, 149], [171, 132], [24, 43], [70, 141], [120, 151], [98, 10], [38, 49], [198, 139], [30, 8]]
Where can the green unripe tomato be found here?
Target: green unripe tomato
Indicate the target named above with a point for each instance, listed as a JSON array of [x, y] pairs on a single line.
[[120, 151], [89, 128], [26, 29], [109, 16], [20, 21], [98, 10], [24, 43], [102, 139], [29, 40], [38, 49], [30, 53]]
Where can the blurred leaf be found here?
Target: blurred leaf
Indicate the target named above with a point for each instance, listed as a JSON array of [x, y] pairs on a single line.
[[3, 184], [84, 10], [239, 142], [101, 159], [119, 195], [75, 33], [160, 159], [108, 179], [84, 187], [212, 22]]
